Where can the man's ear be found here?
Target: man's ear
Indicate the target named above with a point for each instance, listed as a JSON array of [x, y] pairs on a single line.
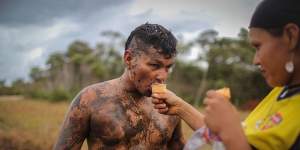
[[292, 32], [128, 57]]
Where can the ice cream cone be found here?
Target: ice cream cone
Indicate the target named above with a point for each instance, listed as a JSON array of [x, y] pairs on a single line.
[[225, 91], [158, 88]]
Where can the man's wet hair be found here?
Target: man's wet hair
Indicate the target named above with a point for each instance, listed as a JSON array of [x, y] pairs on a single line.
[[147, 35]]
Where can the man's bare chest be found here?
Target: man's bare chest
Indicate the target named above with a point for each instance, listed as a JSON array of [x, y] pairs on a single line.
[[116, 122]]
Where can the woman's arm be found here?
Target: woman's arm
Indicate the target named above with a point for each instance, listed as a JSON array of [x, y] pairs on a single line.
[[220, 116], [169, 103]]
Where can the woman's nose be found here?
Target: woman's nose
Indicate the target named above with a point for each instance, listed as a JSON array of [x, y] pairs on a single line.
[[255, 60]]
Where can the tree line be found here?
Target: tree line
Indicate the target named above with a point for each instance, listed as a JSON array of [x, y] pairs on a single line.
[[222, 62]]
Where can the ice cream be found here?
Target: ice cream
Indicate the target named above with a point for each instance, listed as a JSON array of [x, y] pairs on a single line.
[[225, 91], [158, 88]]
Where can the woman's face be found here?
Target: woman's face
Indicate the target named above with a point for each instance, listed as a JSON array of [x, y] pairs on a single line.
[[271, 55]]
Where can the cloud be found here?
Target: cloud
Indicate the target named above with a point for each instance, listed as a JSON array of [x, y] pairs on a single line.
[[191, 15], [35, 53], [31, 30], [18, 13], [26, 46]]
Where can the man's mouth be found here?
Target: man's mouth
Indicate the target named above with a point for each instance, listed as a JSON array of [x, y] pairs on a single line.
[[148, 93]]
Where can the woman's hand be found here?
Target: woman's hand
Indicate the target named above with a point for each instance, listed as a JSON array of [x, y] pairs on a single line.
[[170, 104], [222, 118], [220, 114], [167, 102]]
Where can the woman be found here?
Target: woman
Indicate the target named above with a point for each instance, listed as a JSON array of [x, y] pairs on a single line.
[[274, 124]]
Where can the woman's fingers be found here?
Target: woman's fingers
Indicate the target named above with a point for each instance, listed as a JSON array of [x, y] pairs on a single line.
[[159, 95], [163, 111], [160, 106], [157, 101]]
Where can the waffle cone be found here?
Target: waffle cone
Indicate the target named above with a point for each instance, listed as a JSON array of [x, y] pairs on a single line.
[[158, 88], [225, 91]]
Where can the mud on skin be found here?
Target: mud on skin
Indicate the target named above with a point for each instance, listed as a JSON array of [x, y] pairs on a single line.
[[111, 120]]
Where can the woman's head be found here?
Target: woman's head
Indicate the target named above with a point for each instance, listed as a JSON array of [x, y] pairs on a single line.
[[275, 33]]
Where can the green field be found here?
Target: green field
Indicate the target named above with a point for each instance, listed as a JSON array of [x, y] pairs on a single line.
[[34, 124]]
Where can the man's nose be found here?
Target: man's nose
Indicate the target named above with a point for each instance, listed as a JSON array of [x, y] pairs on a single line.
[[162, 76]]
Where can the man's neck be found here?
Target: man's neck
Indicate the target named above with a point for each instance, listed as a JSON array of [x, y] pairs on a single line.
[[127, 86]]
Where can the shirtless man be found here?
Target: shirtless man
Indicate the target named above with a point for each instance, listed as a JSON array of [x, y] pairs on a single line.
[[118, 114]]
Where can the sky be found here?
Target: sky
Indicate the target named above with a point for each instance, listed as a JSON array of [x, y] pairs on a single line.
[[33, 29]]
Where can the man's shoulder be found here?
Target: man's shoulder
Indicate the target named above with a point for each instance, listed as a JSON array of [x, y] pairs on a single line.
[[100, 88], [97, 91]]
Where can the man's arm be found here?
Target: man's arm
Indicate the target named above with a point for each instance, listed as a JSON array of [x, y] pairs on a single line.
[[177, 140], [75, 127]]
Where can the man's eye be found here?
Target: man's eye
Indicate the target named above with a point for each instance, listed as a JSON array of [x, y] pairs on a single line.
[[155, 66]]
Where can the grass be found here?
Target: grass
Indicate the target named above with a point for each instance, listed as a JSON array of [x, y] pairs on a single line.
[[27, 124]]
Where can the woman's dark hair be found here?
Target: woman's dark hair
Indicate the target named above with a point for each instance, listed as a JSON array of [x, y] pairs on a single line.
[[155, 35], [276, 14], [277, 32], [273, 15]]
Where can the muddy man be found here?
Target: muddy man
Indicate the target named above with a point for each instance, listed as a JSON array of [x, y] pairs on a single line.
[[118, 114]]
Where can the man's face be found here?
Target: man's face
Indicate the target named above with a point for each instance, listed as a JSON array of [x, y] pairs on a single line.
[[149, 67]]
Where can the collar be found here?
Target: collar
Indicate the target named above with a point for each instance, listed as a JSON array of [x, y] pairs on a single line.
[[288, 91]]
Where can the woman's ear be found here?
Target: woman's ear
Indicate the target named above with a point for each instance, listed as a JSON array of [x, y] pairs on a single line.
[[292, 32]]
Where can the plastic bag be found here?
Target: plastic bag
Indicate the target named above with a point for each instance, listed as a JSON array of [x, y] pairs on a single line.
[[202, 137]]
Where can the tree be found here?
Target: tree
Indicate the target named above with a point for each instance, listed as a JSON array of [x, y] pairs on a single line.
[[205, 40], [18, 86], [78, 53], [2, 83], [36, 74], [55, 60], [230, 64]]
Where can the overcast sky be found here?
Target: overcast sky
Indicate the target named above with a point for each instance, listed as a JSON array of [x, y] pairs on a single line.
[[30, 30]]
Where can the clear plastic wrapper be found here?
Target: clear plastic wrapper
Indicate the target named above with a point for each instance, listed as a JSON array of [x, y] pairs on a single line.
[[202, 137]]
